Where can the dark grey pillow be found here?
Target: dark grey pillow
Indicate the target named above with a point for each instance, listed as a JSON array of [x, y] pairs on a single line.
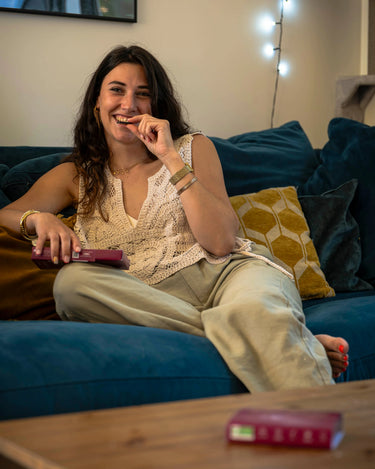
[[335, 234]]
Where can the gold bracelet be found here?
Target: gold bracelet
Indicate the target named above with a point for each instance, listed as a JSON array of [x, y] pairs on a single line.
[[186, 186], [23, 228], [180, 174]]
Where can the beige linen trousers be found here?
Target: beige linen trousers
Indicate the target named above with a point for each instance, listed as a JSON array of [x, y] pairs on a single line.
[[249, 310]]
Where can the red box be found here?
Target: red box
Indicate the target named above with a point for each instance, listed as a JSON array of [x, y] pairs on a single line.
[[286, 428], [113, 257]]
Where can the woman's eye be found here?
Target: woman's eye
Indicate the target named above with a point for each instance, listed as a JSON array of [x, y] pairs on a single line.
[[115, 89], [144, 94]]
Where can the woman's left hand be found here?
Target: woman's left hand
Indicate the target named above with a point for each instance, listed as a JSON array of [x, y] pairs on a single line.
[[154, 133]]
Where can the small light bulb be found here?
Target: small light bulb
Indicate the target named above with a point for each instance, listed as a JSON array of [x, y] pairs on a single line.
[[283, 68], [288, 5], [268, 50], [267, 24]]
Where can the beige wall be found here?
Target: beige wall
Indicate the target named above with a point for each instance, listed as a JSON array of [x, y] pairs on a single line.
[[212, 49]]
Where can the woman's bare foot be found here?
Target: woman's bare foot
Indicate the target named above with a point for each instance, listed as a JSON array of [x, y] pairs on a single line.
[[337, 350]]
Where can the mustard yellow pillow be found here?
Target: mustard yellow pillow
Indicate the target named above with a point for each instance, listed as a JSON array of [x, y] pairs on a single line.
[[274, 217]]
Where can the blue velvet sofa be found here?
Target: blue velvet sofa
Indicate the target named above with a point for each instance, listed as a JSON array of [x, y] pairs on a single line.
[[48, 366]]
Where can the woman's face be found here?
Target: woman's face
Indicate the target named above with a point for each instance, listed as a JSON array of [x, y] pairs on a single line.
[[124, 93]]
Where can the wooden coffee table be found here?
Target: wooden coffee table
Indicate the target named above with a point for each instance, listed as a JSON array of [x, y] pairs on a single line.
[[190, 434]]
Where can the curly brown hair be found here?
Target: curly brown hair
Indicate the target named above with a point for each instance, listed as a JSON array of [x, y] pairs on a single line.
[[90, 152]]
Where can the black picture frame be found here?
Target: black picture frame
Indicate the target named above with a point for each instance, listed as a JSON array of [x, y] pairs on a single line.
[[107, 10]]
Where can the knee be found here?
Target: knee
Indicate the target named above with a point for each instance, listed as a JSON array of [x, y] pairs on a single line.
[[68, 284], [277, 292], [67, 279], [271, 294]]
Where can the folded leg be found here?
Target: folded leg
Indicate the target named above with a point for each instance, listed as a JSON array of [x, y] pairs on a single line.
[[257, 324], [95, 293]]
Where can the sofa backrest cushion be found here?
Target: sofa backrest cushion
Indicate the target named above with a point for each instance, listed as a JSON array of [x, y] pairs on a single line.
[[350, 153], [277, 157], [18, 180], [14, 155]]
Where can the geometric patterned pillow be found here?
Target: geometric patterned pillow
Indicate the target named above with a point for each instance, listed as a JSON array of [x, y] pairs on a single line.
[[274, 217]]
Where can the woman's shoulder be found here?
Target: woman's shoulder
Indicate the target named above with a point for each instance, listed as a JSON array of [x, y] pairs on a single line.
[[65, 168], [188, 139], [63, 175], [202, 140]]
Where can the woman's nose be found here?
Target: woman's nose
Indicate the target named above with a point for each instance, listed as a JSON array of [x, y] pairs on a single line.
[[128, 102]]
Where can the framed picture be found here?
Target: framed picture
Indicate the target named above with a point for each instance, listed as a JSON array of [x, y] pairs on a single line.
[[110, 10]]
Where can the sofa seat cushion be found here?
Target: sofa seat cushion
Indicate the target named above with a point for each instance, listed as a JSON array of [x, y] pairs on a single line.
[[50, 367], [351, 316]]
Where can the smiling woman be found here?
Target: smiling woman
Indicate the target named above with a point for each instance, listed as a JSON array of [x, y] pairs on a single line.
[[113, 10], [143, 182]]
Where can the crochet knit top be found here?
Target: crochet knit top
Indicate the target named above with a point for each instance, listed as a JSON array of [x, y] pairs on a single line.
[[161, 243]]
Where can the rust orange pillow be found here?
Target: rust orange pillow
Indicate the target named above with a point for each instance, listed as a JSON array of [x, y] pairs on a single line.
[[26, 290]]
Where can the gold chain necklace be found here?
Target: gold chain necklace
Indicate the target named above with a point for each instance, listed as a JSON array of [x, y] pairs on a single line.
[[125, 171]]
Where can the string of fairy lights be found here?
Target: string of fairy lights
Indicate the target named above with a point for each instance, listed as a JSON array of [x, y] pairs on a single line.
[[268, 25]]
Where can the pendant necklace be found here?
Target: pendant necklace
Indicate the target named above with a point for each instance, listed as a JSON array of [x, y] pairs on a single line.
[[125, 171]]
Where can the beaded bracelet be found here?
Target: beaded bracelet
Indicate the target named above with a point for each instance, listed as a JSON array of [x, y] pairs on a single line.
[[186, 186], [23, 228], [180, 174]]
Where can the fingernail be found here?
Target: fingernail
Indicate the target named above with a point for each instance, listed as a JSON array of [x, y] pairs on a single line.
[[38, 252], [345, 357], [55, 260], [66, 259], [341, 348]]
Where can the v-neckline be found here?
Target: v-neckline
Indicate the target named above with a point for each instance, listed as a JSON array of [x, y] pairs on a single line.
[[120, 194]]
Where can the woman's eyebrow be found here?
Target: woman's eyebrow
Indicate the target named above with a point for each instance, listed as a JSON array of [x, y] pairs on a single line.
[[115, 82]]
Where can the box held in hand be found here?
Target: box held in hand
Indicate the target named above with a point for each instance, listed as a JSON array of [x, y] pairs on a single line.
[[113, 257]]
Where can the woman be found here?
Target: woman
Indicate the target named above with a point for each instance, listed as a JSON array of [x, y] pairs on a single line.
[[142, 183]]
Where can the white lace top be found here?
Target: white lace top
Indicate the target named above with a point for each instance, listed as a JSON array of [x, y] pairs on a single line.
[[161, 242]]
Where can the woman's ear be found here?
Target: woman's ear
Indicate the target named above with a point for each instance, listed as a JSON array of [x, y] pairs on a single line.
[[96, 112]]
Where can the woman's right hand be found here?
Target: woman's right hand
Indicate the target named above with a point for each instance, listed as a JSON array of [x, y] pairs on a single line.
[[50, 228]]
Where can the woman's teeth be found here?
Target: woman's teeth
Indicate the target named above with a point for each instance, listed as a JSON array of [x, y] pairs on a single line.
[[122, 120]]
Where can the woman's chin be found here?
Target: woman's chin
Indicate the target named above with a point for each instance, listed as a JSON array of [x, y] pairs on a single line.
[[123, 139]]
